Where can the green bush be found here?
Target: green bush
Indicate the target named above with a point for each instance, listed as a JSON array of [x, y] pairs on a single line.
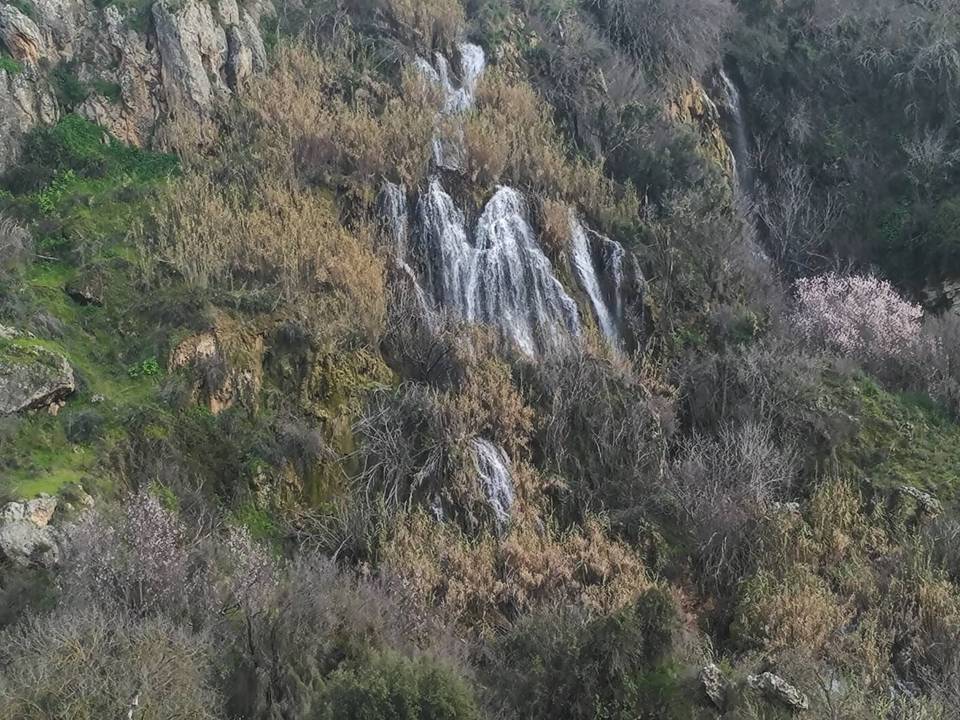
[[78, 145], [570, 666], [391, 687]]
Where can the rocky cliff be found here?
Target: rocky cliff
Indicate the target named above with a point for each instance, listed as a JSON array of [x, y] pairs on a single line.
[[131, 69]]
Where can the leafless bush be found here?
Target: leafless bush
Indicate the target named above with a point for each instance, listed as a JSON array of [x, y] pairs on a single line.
[[408, 445], [144, 561], [15, 244], [763, 383], [721, 486], [88, 664], [938, 360], [676, 38], [796, 220], [599, 428], [320, 618]]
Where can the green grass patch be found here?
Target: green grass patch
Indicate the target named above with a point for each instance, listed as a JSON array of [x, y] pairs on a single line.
[[9, 65], [899, 438]]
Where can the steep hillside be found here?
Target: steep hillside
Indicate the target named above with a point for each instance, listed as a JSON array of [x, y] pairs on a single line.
[[479, 359]]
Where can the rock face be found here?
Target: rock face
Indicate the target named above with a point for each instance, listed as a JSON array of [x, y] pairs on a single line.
[[20, 35], [26, 537], [226, 365], [694, 106], [32, 377], [138, 78], [776, 689], [714, 686]]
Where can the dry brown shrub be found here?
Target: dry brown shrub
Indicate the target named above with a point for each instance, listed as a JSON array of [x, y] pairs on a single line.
[[490, 405], [511, 137], [426, 23], [279, 237], [478, 582], [555, 227], [796, 612], [304, 126]]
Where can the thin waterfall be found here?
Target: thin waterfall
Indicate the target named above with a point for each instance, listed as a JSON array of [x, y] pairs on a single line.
[[609, 255], [499, 276], [448, 143], [395, 218], [731, 108], [493, 471]]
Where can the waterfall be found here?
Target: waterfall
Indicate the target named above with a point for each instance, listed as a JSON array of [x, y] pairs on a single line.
[[448, 146], [739, 138], [493, 471], [393, 211], [609, 255], [501, 278]]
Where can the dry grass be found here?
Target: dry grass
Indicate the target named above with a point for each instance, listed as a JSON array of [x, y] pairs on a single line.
[[511, 137], [479, 582], [280, 237], [426, 23], [306, 127]]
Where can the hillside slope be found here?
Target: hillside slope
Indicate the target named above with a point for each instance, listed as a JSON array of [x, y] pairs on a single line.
[[482, 359]]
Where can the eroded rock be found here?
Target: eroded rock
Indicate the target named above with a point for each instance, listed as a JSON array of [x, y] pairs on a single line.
[[714, 685], [776, 689], [38, 511], [20, 35], [226, 363], [25, 544], [32, 377]]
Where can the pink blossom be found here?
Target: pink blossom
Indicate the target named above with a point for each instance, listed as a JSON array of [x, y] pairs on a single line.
[[863, 318]]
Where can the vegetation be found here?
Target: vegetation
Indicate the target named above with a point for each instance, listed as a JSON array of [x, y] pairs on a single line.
[[316, 495]]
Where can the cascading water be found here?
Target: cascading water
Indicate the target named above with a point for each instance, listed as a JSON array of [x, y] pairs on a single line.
[[493, 471], [393, 211], [502, 278], [396, 223], [609, 255], [448, 146], [739, 138]]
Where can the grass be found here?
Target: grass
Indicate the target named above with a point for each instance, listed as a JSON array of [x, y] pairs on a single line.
[[899, 439], [82, 218], [9, 65]]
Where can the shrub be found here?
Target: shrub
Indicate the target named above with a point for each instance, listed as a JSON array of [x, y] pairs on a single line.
[[568, 664], [795, 612], [511, 137], [282, 238], [137, 561], [15, 245], [307, 125], [476, 582], [87, 664], [388, 685], [863, 318], [722, 486], [599, 428], [671, 38], [425, 24], [329, 638]]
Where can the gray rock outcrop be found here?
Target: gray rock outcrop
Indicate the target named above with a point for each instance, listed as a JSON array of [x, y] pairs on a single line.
[[26, 537], [775, 689], [714, 685], [137, 76], [32, 377]]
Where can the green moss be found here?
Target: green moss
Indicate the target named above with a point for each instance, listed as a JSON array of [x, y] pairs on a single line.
[[9, 65], [78, 145], [898, 438]]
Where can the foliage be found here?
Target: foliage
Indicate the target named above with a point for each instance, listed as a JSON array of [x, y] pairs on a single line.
[[9, 65], [571, 665], [859, 317], [88, 664]]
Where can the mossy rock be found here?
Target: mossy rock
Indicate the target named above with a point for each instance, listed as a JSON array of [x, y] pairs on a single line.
[[31, 376]]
